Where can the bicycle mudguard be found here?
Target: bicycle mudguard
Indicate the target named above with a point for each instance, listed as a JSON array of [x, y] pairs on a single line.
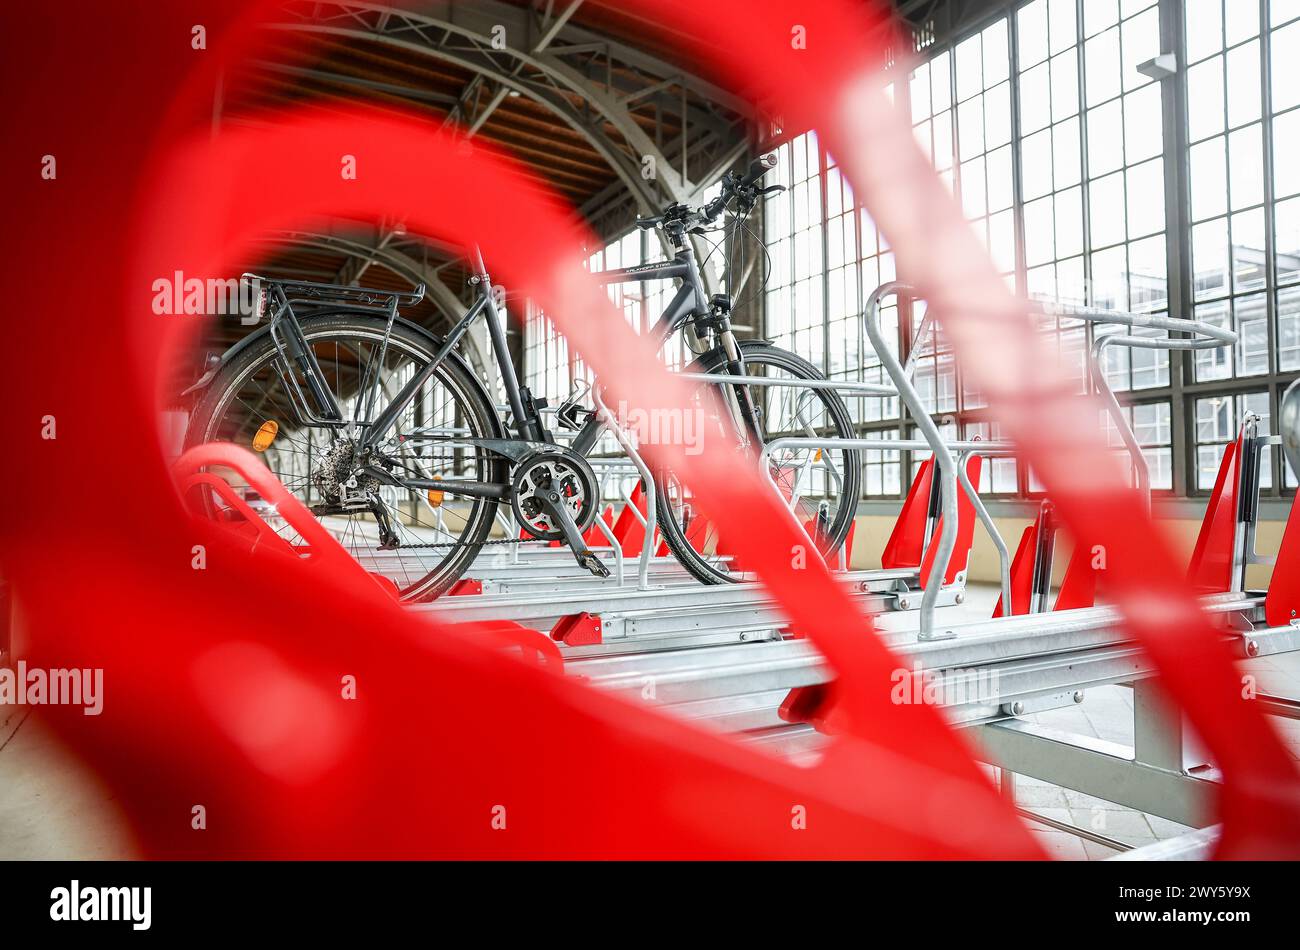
[[252, 339]]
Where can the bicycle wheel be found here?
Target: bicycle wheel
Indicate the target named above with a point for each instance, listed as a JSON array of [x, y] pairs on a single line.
[[820, 485], [438, 534]]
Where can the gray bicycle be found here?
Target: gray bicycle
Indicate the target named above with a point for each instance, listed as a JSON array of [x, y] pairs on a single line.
[[387, 435]]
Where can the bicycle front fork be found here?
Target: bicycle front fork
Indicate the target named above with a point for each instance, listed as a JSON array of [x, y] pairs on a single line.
[[744, 401]]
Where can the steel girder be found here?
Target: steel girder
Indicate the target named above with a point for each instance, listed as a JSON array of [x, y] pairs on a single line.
[[432, 33], [462, 33]]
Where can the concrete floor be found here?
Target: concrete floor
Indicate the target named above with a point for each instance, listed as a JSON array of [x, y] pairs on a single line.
[[52, 808]]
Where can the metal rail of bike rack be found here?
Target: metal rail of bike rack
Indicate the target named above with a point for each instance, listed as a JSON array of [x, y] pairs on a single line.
[[657, 617], [670, 617], [529, 568], [947, 538], [667, 570], [692, 614], [1201, 335], [990, 674], [721, 657]]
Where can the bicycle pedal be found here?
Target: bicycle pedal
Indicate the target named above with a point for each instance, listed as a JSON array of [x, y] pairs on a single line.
[[592, 563]]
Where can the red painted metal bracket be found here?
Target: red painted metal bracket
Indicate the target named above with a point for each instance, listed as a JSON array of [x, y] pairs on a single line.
[[578, 630], [1211, 566], [1282, 605]]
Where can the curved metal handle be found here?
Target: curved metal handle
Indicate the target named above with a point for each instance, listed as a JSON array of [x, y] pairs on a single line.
[[943, 458]]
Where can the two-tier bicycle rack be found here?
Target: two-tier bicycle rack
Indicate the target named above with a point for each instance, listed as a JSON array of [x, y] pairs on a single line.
[[724, 658]]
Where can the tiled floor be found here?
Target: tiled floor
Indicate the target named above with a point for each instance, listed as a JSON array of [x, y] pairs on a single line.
[[51, 808]]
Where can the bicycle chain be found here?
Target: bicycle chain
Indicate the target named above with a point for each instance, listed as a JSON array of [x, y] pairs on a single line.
[[461, 544]]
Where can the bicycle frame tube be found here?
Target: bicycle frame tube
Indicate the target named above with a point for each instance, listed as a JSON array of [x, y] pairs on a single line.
[[690, 299], [485, 305], [379, 426]]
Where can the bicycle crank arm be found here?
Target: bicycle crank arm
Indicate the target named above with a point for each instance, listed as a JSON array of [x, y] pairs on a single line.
[[554, 506]]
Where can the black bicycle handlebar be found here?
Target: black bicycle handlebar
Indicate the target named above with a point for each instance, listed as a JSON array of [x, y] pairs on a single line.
[[733, 185], [758, 168]]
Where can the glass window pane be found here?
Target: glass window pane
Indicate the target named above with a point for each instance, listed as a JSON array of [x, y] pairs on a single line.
[[1209, 185], [1105, 139], [1288, 329], [1065, 85], [970, 77], [1146, 199], [1214, 363], [919, 92], [1248, 253], [1039, 230], [1035, 100], [1002, 241], [1070, 285], [1205, 99], [999, 178], [1204, 19], [942, 131], [1141, 42], [1281, 11], [1285, 59], [1099, 14], [997, 116], [972, 188], [1287, 237], [1252, 335], [1031, 33], [941, 83], [1143, 137], [1102, 67], [1036, 164], [1286, 154], [1066, 153], [1243, 84], [1069, 222], [1246, 162], [1106, 210], [1210, 259], [1148, 274], [1062, 29], [970, 128], [1110, 279], [997, 58], [1241, 22]]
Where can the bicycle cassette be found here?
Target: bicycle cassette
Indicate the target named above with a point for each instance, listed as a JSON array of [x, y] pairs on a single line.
[[566, 474]]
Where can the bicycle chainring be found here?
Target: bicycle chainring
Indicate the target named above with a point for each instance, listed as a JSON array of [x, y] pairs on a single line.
[[563, 471]]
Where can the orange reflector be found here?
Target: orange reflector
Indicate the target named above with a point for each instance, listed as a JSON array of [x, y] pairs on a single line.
[[266, 435], [435, 497], [818, 456]]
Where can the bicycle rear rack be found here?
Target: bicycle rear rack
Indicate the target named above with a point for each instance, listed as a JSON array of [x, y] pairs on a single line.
[[323, 293]]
